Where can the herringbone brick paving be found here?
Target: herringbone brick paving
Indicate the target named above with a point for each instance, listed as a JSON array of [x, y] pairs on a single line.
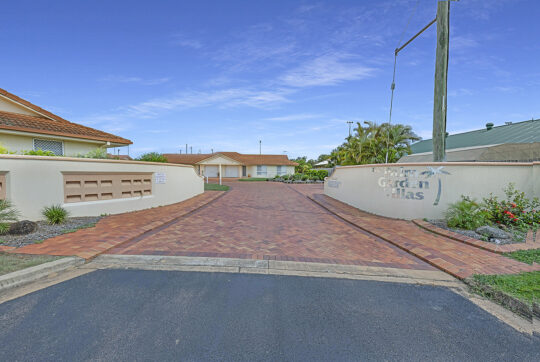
[[263, 220], [115, 229], [454, 257]]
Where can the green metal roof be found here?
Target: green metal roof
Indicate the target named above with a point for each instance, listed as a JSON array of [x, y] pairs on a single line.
[[520, 132]]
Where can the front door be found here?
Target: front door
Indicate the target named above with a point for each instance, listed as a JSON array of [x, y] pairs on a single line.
[[244, 171]]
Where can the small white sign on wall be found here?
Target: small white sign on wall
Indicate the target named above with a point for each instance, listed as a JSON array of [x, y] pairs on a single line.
[[160, 178]]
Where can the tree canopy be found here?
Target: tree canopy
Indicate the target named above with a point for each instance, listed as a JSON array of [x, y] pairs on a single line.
[[371, 144]]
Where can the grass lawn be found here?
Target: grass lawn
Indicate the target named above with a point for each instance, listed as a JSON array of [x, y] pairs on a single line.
[[215, 187], [523, 286], [13, 262], [526, 256], [253, 179]]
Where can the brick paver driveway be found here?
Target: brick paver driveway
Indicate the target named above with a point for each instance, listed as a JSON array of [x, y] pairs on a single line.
[[265, 220]]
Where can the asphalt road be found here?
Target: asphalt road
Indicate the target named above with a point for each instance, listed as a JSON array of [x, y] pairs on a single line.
[[157, 315]]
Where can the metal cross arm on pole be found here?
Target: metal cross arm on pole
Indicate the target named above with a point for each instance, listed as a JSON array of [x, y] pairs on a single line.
[[414, 37]]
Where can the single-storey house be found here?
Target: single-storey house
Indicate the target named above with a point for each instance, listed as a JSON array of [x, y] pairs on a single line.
[[234, 164], [25, 127], [511, 142]]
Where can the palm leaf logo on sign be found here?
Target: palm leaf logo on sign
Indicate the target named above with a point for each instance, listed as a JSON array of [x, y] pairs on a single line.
[[432, 171]]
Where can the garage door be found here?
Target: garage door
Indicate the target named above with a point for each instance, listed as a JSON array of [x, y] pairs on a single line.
[[231, 171], [211, 171]]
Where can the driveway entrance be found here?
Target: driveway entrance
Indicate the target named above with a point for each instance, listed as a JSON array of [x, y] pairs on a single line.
[[266, 220]]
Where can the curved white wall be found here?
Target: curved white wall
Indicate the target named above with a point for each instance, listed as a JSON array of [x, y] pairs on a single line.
[[33, 182]]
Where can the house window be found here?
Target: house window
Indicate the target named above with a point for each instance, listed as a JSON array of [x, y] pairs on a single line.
[[261, 170], [56, 147], [280, 170]]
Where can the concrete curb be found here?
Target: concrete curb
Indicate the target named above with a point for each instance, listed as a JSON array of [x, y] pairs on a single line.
[[29, 275], [271, 267]]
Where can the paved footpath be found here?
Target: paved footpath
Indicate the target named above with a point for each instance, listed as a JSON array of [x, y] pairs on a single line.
[[454, 257], [116, 229], [274, 221]]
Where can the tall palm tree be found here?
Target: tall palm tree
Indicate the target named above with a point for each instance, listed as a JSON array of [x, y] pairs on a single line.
[[374, 143]]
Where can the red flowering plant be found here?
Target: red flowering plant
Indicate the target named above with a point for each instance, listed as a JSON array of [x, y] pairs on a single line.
[[516, 211]]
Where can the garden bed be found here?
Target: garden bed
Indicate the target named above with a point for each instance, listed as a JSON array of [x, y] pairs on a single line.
[[517, 236], [45, 231]]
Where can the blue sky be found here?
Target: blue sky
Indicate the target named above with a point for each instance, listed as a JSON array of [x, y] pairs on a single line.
[[223, 74]]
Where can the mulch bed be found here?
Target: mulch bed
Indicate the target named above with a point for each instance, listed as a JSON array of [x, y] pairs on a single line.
[[45, 231]]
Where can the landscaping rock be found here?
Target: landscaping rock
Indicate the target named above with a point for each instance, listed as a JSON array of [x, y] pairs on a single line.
[[22, 227], [492, 232]]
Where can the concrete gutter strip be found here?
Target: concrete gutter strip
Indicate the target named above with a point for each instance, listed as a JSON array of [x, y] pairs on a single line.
[[28, 275], [256, 266]]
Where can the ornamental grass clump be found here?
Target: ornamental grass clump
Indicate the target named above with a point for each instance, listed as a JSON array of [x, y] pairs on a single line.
[[55, 214], [466, 214], [8, 214]]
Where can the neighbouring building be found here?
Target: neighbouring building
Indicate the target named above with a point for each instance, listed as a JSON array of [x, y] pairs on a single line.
[[25, 127], [234, 164], [511, 142]]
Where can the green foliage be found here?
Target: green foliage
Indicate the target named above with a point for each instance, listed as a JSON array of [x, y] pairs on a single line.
[[4, 228], [525, 256], [466, 214], [523, 286], [303, 164], [3, 150], [152, 157], [98, 153], [55, 214], [371, 143], [215, 187], [7, 214], [39, 153], [515, 211]]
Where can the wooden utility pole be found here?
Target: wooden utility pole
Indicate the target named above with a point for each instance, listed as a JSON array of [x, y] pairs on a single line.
[[441, 78]]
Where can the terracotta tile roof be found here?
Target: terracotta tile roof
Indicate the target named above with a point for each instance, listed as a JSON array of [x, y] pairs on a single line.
[[50, 123], [25, 123], [247, 160]]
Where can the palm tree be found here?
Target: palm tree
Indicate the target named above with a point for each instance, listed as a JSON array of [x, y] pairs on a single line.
[[375, 143]]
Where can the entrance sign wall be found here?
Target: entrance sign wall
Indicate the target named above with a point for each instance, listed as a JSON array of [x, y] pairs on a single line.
[[424, 190]]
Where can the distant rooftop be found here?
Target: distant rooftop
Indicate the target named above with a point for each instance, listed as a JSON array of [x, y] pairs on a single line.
[[519, 132]]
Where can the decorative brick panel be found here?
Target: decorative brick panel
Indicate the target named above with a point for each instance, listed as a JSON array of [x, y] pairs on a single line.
[[2, 186], [80, 187]]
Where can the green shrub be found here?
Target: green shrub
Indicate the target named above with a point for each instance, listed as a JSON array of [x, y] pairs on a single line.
[[38, 153], [7, 214], [466, 214], [98, 153], [305, 177], [516, 210], [152, 157], [55, 214], [322, 174], [3, 150]]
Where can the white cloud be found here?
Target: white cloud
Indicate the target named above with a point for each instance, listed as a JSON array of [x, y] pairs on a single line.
[[293, 117], [136, 80], [326, 70], [224, 98], [181, 40]]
